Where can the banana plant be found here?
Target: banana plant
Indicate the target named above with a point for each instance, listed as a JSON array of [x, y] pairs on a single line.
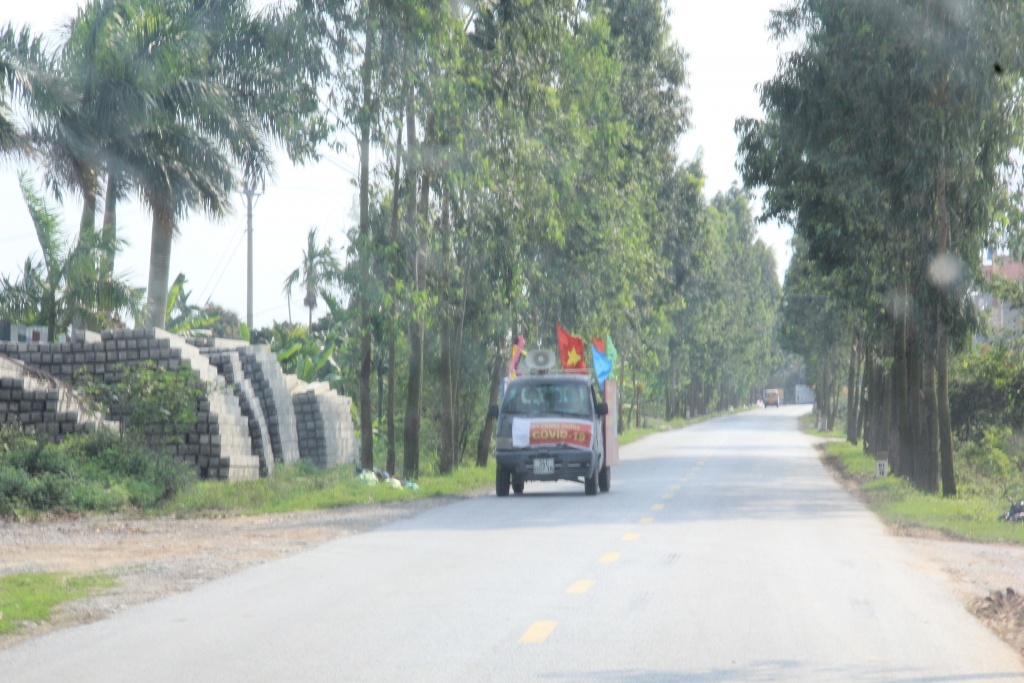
[[182, 317]]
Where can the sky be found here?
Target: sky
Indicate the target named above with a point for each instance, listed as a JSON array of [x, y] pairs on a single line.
[[729, 50]]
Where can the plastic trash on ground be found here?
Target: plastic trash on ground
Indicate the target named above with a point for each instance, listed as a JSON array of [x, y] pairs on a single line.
[[412, 486], [367, 478]]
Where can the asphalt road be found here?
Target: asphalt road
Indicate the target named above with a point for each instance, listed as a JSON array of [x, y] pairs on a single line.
[[725, 552]]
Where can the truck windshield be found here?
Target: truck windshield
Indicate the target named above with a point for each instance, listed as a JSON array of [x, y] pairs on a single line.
[[546, 399]]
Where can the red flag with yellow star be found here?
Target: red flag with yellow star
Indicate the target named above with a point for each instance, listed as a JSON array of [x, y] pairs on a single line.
[[570, 349]]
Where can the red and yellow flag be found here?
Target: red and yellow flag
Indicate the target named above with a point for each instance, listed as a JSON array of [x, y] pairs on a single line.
[[570, 349]]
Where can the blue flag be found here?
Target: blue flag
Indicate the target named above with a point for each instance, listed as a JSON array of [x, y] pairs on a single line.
[[602, 365]]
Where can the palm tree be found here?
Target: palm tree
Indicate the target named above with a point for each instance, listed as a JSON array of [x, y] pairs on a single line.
[[67, 285], [320, 269]]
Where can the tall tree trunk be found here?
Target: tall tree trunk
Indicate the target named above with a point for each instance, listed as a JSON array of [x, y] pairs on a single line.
[[483, 444], [414, 387], [447, 459], [88, 224], [895, 453], [390, 465], [851, 394], [110, 223], [915, 408], [930, 437], [622, 380], [159, 266], [942, 356], [366, 345], [390, 410], [459, 433], [864, 414], [899, 369]]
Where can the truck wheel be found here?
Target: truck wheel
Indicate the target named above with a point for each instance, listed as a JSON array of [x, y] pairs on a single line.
[[502, 479], [604, 479], [590, 484], [517, 486]]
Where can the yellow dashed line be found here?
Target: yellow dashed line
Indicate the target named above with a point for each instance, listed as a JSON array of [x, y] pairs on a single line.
[[581, 586], [658, 506], [646, 520], [674, 487], [630, 537], [666, 496], [538, 632], [608, 558]]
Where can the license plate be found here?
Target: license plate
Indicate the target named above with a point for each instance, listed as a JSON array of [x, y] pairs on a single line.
[[544, 466]]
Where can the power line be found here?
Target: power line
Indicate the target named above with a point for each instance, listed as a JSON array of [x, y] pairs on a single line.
[[238, 231], [225, 270]]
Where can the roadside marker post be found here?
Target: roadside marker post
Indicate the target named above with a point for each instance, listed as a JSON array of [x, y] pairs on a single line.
[[882, 465]]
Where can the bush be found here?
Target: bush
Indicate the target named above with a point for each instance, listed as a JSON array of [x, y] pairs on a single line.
[[94, 472], [146, 398], [986, 391]]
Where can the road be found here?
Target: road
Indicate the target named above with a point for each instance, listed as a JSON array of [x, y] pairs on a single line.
[[725, 552]]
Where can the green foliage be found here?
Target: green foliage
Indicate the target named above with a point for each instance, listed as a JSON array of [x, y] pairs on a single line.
[[184, 318], [146, 398], [98, 472], [68, 284], [31, 597], [986, 390]]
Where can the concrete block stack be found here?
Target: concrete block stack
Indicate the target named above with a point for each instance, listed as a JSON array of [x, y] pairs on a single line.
[[42, 404], [264, 373], [225, 357], [218, 445], [324, 422]]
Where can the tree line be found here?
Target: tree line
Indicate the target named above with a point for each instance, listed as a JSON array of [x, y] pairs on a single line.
[[517, 168], [890, 144]]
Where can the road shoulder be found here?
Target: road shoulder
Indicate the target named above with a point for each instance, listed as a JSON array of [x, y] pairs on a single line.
[[154, 557]]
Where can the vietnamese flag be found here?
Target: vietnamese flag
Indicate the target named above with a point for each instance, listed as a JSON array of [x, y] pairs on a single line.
[[570, 349]]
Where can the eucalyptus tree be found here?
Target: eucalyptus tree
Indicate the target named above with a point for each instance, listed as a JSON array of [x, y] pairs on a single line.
[[887, 144]]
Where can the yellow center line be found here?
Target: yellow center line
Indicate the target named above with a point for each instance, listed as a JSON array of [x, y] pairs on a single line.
[[630, 537], [581, 586], [646, 520], [658, 506], [538, 632], [666, 496], [608, 558], [674, 487]]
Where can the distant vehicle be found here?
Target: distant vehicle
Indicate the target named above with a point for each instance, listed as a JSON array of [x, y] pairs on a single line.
[[773, 397], [550, 428]]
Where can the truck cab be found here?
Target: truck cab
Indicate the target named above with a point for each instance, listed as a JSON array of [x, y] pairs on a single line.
[[550, 427]]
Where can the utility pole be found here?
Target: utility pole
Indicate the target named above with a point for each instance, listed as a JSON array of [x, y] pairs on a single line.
[[250, 193]]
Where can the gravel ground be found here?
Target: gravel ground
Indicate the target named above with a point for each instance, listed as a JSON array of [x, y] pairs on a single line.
[[154, 557]]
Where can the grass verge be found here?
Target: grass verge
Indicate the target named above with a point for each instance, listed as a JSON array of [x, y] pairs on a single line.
[[32, 596], [305, 487], [636, 433], [965, 517]]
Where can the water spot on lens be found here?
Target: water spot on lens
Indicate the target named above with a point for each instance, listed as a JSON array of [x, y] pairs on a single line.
[[945, 270]]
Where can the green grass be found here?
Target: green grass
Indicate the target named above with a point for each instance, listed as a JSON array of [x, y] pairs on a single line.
[[304, 487], [31, 597], [966, 517], [636, 433], [807, 424]]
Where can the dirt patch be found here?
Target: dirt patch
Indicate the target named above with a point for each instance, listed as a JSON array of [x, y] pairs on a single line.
[[151, 558], [1003, 612]]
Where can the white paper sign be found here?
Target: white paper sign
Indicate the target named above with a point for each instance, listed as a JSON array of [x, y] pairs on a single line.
[[520, 432]]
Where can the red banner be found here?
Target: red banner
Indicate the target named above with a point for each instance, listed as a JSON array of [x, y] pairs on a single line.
[[570, 433]]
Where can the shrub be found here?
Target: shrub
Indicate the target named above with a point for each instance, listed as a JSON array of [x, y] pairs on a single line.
[[146, 398], [94, 472]]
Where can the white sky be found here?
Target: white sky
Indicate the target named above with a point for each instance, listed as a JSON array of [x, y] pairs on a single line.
[[730, 53]]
